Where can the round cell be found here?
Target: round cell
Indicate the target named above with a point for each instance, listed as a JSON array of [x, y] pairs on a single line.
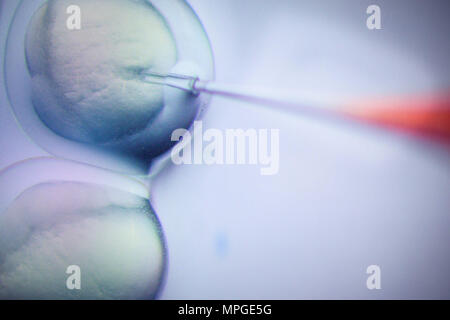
[[74, 77], [71, 231]]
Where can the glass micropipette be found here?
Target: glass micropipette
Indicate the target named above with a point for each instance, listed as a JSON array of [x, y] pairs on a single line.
[[425, 115]]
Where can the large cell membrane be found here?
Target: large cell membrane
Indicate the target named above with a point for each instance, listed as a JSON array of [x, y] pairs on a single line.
[[80, 93], [54, 216], [86, 83]]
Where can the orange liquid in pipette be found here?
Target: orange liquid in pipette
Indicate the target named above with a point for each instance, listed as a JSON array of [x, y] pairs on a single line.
[[424, 115]]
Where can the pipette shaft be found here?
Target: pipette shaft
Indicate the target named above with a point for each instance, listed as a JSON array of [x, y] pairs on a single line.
[[426, 115]]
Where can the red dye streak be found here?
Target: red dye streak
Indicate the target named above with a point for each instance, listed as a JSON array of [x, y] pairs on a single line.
[[426, 115]]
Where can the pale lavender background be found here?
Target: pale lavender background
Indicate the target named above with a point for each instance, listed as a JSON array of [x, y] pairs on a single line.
[[346, 197]]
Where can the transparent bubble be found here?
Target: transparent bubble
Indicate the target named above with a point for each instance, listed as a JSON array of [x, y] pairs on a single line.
[[103, 145], [55, 214]]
